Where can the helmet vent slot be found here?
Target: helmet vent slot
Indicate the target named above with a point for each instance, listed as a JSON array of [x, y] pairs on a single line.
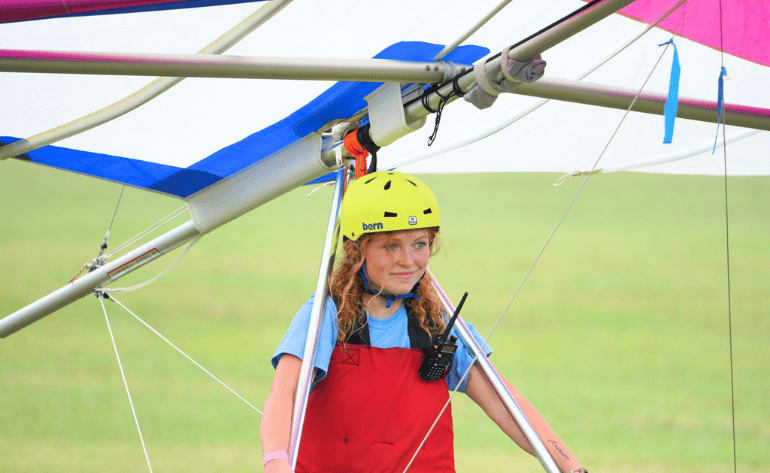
[[390, 214], [412, 183], [387, 185], [427, 211], [370, 180]]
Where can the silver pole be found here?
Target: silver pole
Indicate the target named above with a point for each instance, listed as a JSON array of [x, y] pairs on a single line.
[[493, 376], [461, 39], [211, 208], [143, 95], [99, 277], [216, 65], [616, 97], [526, 51], [316, 317]]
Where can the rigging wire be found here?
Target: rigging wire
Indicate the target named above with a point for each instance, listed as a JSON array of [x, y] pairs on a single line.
[[103, 246], [157, 276], [114, 213], [540, 253], [727, 244], [515, 118], [179, 350], [567, 17], [661, 158], [100, 258], [100, 296], [462, 38], [168, 218]]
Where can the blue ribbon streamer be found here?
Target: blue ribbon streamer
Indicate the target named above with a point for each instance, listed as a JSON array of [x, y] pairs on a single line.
[[720, 100], [672, 101]]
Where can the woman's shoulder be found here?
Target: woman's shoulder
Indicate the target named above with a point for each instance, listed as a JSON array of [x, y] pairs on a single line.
[[330, 308]]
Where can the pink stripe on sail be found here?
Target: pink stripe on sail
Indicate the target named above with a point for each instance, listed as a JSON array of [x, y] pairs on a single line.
[[20, 10], [60, 55], [745, 24]]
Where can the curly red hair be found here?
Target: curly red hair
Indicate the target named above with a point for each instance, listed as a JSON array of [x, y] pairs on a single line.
[[347, 289]]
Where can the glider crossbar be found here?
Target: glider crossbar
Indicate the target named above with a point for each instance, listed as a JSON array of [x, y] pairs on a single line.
[[157, 276], [522, 51], [181, 352], [98, 277], [143, 95], [222, 66], [168, 218], [519, 115], [620, 98]]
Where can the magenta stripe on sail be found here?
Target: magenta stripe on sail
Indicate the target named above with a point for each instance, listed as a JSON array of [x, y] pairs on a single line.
[[745, 24], [19, 10], [23, 10]]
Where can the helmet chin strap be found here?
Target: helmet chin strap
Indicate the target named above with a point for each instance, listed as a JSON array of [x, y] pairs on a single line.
[[389, 298]]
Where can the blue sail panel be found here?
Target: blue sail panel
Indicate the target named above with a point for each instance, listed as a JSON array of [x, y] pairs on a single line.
[[340, 101]]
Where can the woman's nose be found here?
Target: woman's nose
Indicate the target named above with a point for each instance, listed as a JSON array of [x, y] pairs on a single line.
[[405, 258]]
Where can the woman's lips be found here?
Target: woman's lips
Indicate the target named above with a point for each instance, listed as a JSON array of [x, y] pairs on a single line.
[[404, 275]]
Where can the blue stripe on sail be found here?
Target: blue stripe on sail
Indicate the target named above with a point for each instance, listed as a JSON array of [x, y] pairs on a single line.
[[341, 100], [114, 168]]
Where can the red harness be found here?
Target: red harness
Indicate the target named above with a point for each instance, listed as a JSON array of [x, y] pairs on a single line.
[[372, 411]]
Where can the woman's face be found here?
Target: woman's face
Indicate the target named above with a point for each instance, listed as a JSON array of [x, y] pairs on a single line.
[[396, 261]]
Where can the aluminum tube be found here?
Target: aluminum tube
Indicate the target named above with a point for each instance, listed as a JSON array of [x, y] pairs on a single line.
[[461, 39], [615, 97], [316, 317], [106, 274], [525, 51], [143, 95], [566, 29], [286, 169], [498, 385], [215, 65]]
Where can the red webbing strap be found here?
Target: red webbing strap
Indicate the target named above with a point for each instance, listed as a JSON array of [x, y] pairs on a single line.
[[356, 150]]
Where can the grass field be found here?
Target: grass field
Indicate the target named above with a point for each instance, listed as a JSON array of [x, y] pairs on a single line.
[[619, 337]]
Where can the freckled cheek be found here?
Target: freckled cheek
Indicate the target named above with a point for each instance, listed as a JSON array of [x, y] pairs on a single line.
[[422, 258]]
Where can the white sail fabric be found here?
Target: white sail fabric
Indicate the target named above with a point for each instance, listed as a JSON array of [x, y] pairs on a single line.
[[200, 116]]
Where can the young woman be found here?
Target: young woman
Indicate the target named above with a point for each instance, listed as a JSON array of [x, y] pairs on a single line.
[[369, 409]]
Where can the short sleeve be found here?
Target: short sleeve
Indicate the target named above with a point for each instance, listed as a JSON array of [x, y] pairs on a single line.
[[463, 359], [293, 341]]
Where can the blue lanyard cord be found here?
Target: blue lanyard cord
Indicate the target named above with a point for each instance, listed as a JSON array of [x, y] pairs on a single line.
[[389, 298], [672, 100], [720, 104]]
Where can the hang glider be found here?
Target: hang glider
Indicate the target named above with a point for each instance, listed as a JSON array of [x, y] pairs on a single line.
[[222, 181], [339, 102]]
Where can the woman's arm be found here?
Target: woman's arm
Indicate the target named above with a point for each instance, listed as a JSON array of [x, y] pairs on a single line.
[[279, 406], [482, 393]]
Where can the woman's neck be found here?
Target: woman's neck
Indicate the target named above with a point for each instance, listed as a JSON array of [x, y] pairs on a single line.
[[375, 306]]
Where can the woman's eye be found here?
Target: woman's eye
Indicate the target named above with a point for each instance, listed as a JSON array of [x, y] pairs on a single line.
[[420, 245], [393, 247]]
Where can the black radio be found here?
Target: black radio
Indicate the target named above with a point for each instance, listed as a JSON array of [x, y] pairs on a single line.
[[438, 357]]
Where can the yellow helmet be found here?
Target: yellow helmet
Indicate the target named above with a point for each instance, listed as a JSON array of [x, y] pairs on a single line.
[[387, 201]]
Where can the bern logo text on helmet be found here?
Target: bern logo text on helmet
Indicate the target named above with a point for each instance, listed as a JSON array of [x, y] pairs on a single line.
[[371, 226], [412, 220]]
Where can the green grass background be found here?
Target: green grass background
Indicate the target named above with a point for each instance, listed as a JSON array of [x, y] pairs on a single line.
[[619, 337]]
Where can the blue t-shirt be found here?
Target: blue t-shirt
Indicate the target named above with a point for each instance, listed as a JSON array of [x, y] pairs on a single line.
[[383, 333]]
